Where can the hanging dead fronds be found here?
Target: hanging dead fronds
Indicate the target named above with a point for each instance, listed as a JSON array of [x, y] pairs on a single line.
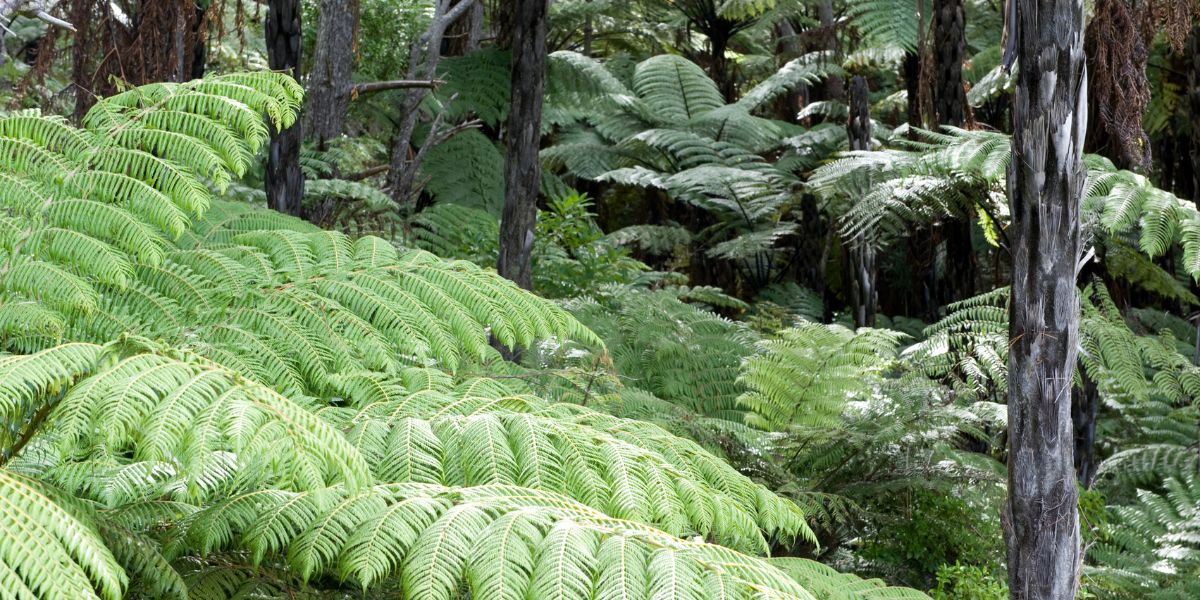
[[1171, 17], [1117, 85], [158, 40]]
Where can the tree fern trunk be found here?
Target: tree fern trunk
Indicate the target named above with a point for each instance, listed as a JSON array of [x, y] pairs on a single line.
[[285, 182], [1084, 408], [1045, 186], [862, 254], [199, 43], [1194, 101], [788, 47], [834, 86], [327, 94], [719, 68], [521, 168], [912, 88], [950, 100], [950, 108]]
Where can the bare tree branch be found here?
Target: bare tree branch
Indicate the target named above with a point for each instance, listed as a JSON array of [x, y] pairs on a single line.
[[423, 61], [395, 84], [39, 9]]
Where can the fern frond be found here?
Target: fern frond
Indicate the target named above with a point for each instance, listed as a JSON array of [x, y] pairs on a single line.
[[503, 540], [675, 88], [808, 374], [48, 552]]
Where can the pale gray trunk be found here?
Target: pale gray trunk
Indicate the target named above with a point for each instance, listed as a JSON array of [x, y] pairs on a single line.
[[423, 61], [1045, 187]]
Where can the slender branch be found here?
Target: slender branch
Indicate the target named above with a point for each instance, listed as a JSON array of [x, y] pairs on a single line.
[[395, 84], [369, 172]]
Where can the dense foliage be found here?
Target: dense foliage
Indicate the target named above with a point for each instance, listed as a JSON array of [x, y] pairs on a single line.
[[765, 349]]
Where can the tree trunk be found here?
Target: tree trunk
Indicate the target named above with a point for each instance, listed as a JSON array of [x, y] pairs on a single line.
[[424, 56], [199, 44], [1194, 96], [788, 45], [912, 88], [160, 40], [719, 68], [1085, 403], [504, 22], [834, 86], [950, 100], [950, 108], [921, 242], [862, 253], [958, 281], [521, 168], [1045, 187], [466, 34], [327, 95], [285, 182]]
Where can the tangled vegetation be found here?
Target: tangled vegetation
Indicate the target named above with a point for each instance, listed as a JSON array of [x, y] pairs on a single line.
[[696, 299]]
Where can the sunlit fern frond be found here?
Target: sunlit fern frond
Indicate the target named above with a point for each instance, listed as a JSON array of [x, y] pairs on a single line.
[[1151, 548], [484, 432], [498, 541], [808, 374]]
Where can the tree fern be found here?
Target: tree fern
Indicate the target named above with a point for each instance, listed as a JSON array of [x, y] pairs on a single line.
[[888, 23], [480, 432], [679, 352], [1150, 548], [807, 375], [672, 130], [955, 172], [304, 416], [502, 541]]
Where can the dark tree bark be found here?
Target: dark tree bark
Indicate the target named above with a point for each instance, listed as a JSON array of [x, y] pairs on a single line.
[[912, 88], [521, 168], [949, 98], [1194, 101], [834, 86], [1045, 187], [921, 241], [155, 40], [285, 182], [950, 108], [503, 22], [961, 263], [328, 93], [1118, 89], [199, 43], [1085, 404], [863, 290], [789, 47], [466, 34], [719, 68]]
